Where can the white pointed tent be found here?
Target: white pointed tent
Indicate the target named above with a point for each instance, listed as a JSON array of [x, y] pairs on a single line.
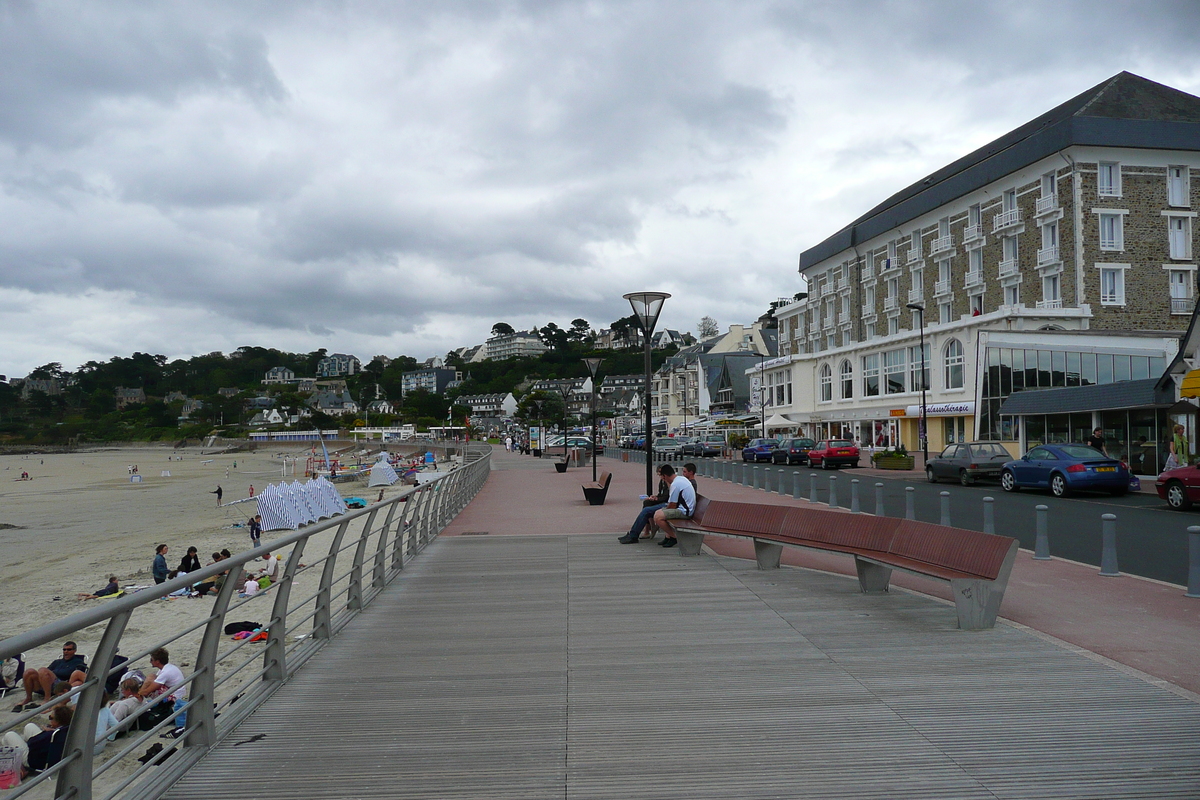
[[779, 421], [382, 473]]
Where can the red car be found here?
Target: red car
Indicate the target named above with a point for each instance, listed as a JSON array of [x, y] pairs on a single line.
[[1180, 487], [833, 453]]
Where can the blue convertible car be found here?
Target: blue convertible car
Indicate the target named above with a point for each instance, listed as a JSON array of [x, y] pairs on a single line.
[[1064, 468]]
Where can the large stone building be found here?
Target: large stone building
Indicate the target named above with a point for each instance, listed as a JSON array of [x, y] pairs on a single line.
[[1059, 255], [514, 345]]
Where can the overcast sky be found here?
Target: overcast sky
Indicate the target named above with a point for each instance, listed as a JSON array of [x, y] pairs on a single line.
[[395, 177]]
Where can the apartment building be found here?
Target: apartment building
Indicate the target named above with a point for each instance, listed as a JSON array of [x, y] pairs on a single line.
[[1059, 255], [514, 345], [434, 380]]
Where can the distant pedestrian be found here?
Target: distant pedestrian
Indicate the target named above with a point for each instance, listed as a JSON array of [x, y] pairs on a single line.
[[255, 524], [252, 490], [159, 568], [219, 493], [1096, 440]]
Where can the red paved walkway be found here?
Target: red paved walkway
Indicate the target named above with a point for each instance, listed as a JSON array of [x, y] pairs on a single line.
[[1145, 625]]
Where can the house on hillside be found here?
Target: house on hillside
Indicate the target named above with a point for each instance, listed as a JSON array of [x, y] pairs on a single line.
[[51, 386], [337, 365], [127, 397], [276, 375], [333, 403]]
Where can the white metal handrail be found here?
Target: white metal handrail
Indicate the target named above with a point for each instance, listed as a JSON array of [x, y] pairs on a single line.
[[382, 537]]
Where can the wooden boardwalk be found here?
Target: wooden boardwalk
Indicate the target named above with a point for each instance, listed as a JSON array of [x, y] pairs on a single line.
[[572, 667]]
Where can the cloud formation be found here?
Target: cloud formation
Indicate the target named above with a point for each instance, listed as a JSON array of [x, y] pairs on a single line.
[[395, 178]]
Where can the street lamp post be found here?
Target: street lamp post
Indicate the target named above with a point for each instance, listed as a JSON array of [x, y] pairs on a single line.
[[646, 308], [920, 309], [593, 364], [762, 393]]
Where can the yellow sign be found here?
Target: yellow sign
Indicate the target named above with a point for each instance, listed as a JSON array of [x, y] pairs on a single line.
[[1191, 384], [897, 412]]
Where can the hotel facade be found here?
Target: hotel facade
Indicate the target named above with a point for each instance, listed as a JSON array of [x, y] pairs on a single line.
[[1059, 255]]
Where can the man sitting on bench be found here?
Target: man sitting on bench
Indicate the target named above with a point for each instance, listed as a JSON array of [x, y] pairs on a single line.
[[680, 504]]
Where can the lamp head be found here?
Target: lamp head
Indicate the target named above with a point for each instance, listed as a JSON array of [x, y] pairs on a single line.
[[593, 364], [646, 307], [916, 307]]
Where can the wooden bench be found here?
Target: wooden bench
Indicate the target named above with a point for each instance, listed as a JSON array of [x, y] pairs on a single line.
[[596, 491], [977, 565]]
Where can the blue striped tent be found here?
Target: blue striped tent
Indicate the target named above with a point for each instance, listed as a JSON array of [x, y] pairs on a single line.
[[274, 507]]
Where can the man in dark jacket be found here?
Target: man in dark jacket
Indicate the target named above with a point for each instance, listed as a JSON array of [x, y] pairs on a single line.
[[42, 681]]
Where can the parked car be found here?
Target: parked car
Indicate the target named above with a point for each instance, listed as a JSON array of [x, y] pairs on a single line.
[[833, 453], [704, 447], [666, 447], [968, 462], [759, 449], [792, 451], [1064, 468], [1180, 487]]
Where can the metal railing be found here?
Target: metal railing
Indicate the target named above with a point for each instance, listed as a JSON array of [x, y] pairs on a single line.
[[1006, 218], [231, 682]]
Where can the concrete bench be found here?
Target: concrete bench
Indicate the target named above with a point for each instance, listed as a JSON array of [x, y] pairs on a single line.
[[596, 491], [976, 565]]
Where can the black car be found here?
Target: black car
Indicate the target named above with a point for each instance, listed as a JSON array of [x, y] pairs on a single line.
[[792, 451], [968, 462]]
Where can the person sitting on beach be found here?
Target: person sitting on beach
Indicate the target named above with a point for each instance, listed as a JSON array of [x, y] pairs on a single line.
[[42, 681], [41, 748], [250, 588], [113, 589], [210, 584], [130, 700], [190, 562], [270, 570], [167, 684], [159, 569]]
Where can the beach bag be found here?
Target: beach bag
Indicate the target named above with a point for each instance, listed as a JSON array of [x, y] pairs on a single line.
[[155, 715], [10, 767], [12, 671], [238, 627], [264, 582], [1135, 483], [1172, 463]]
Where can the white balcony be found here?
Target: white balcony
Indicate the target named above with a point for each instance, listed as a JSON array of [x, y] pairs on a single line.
[[1182, 305], [1049, 304], [974, 279], [868, 272], [889, 263], [1048, 255], [941, 288], [1047, 204], [1006, 219], [1008, 267], [942, 244], [844, 318], [916, 295], [914, 255], [890, 303], [814, 290], [972, 232], [843, 283], [827, 321]]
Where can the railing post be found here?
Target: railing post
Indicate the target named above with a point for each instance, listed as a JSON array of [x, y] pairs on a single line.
[[275, 653], [796, 486], [989, 515], [202, 693], [945, 520], [78, 750], [833, 501], [910, 506], [1193, 586], [1041, 546], [321, 621], [879, 499], [854, 509], [379, 574], [354, 592], [1108, 552], [781, 487]]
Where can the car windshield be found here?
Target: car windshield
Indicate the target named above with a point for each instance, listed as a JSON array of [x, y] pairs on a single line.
[[803, 443], [840, 443], [1082, 451], [985, 450]]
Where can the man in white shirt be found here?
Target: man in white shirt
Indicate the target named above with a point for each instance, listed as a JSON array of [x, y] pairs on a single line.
[[167, 684], [680, 505]]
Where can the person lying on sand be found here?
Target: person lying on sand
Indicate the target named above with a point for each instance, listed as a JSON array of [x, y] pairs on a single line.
[[112, 590]]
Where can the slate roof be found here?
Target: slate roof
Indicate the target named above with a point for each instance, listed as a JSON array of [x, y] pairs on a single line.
[[1102, 397], [1126, 110]]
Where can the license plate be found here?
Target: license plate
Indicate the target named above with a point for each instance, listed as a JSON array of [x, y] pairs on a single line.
[[1106, 469]]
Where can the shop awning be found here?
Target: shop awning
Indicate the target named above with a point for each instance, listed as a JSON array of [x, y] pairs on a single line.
[[1191, 384], [780, 421], [1124, 394]]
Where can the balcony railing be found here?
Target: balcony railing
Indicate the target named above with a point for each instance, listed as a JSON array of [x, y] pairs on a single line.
[[814, 290], [914, 255], [942, 244], [1006, 219], [972, 232], [868, 272], [1048, 255], [827, 321], [1049, 303], [974, 278], [890, 303], [889, 263], [1008, 267], [844, 318], [916, 295], [843, 283], [941, 288], [1047, 204], [1182, 305]]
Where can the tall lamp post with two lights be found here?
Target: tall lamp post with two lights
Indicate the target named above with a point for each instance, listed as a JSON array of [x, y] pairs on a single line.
[[646, 308], [593, 364], [920, 309]]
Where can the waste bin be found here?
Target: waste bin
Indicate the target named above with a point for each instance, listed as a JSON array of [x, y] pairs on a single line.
[[625, 456], [579, 457]]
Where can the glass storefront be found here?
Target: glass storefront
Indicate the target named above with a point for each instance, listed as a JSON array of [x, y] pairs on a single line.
[[1137, 436]]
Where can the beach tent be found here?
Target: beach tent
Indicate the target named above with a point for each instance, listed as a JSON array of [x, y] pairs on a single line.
[[382, 474], [329, 494], [300, 501], [274, 508]]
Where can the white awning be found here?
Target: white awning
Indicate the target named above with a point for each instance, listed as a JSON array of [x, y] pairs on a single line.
[[780, 421]]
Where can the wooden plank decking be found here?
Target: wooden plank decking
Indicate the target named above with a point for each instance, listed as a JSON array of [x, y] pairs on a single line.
[[573, 667]]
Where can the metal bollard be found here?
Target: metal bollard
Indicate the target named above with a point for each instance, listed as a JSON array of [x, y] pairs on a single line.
[[1108, 539], [945, 520], [766, 482], [854, 509], [812, 487], [1041, 547], [739, 473], [910, 509], [1193, 561], [796, 486], [833, 491], [879, 499], [757, 477], [781, 487], [989, 515]]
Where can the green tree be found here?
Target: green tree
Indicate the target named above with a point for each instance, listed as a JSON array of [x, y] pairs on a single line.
[[502, 329]]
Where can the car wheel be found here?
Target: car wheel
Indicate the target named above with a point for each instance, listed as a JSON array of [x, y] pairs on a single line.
[[744, 458], [1008, 481], [1177, 496], [929, 476], [1120, 491], [1058, 485], [964, 478]]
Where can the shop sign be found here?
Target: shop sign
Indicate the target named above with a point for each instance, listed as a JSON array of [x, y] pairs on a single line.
[[899, 412], [939, 410]]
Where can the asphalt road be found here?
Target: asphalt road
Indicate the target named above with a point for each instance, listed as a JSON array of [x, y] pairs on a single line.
[[1152, 539]]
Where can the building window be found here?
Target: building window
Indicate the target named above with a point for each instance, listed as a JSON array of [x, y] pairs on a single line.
[[1009, 200], [1178, 191], [826, 383], [915, 246], [869, 299], [1181, 290], [974, 216], [953, 360], [1112, 232], [870, 331], [847, 380], [1012, 295], [893, 326], [1112, 286], [895, 371], [918, 360], [1049, 184], [944, 313], [975, 262], [1050, 289], [976, 305], [870, 375], [1108, 179], [1179, 234]]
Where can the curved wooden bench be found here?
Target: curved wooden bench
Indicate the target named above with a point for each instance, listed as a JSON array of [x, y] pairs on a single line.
[[976, 565], [595, 492]]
